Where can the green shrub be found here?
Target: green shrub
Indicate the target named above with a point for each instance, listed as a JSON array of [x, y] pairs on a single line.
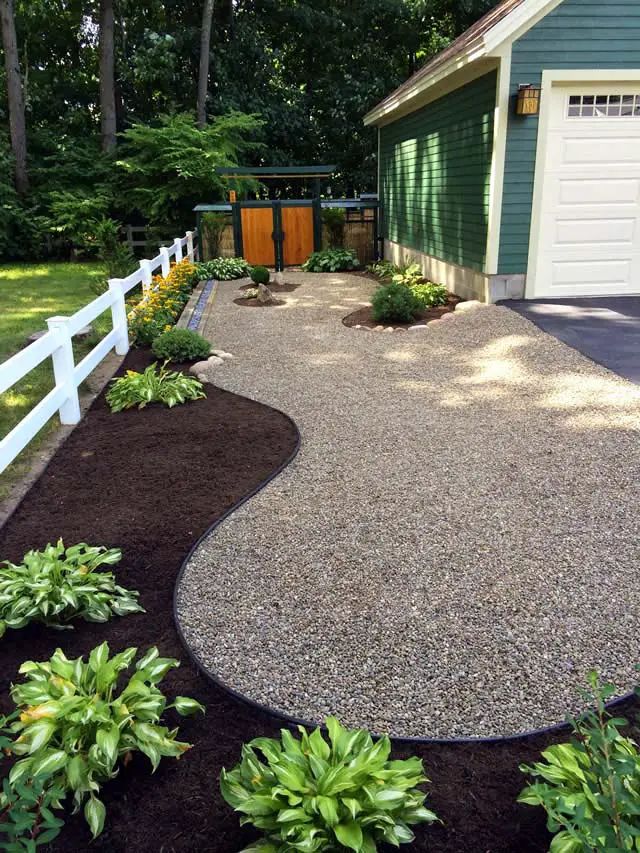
[[331, 260], [590, 787], [314, 795], [181, 345], [152, 386], [410, 275], [394, 303], [260, 275], [113, 251], [223, 269], [334, 218], [429, 294], [74, 723], [58, 584]]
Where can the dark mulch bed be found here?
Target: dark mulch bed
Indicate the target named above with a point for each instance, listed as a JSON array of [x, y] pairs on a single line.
[[273, 287], [150, 483], [364, 316]]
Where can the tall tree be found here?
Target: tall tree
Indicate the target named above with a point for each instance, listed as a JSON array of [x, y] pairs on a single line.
[[203, 74], [15, 96], [107, 76]]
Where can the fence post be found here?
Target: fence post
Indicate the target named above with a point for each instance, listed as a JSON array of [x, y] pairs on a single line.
[[190, 253], [119, 315], [166, 262], [147, 276], [178, 245], [63, 369]]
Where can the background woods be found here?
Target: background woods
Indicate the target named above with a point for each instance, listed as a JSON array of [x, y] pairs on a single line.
[[122, 109]]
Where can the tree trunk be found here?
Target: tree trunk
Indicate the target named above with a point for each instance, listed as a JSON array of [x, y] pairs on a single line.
[[15, 96], [107, 76], [203, 75]]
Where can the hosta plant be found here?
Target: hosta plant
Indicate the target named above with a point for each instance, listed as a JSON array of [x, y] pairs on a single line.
[[78, 719], [153, 386], [408, 276], [59, 584], [590, 786], [312, 794], [383, 269], [331, 260], [223, 269], [430, 294]]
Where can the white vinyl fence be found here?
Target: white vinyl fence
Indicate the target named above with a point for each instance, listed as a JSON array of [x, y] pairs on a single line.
[[56, 344]]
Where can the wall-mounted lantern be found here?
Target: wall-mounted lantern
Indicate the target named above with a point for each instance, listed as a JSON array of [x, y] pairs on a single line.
[[528, 103]]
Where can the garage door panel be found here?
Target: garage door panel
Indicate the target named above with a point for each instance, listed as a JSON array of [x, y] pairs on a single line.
[[600, 150], [606, 272], [572, 233], [597, 191]]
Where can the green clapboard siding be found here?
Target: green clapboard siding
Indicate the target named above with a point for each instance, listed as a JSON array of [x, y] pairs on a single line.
[[576, 34], [435, 167]]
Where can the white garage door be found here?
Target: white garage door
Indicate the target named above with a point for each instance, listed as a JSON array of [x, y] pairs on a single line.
[[589, 242]]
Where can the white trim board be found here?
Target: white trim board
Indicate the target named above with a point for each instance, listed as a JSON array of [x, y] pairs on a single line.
[[499, 152], [550, 78]]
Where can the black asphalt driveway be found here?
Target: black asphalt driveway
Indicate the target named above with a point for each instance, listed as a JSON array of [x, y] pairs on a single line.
[[606, 329]]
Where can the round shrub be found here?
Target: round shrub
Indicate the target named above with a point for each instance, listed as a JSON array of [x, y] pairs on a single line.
[[260, 275], [394, 303], [181, 345]]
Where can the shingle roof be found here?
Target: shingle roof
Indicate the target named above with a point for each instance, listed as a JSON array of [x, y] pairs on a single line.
[[471, 36]]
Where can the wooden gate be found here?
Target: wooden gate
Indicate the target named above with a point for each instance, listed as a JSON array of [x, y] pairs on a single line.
[[298, 239], [257, 236]]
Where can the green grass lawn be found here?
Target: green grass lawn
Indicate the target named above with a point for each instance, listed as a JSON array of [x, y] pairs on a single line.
[[29, 293]]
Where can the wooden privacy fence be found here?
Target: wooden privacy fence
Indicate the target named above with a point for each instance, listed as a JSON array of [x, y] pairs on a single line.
[[57, 344], [283, 233]]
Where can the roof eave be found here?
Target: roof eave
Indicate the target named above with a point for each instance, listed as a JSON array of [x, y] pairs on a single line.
[[386, 108]]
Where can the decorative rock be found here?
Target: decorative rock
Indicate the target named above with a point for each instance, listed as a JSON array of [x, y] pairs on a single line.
[[214, 361], [198, 368], [448, 316], [470, 305], [389, 329], [202, 377], [357, 326], [417, 327], [378, 329], [264, 294], [221, 353], [278, 279]]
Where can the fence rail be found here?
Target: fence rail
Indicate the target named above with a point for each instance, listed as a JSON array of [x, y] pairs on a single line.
[[57, 344]]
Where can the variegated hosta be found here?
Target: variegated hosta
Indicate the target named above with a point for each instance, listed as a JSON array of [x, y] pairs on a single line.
[[74, 723], [59, 584], [313, 795]]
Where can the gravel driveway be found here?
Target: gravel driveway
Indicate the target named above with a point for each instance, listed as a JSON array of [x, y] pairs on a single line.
[[456, 544]]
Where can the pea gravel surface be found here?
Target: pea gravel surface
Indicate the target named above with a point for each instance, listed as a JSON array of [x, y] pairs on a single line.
[[456, 544]]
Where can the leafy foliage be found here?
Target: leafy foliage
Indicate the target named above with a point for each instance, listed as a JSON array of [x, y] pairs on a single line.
[[26, 812], [118, 259], [213, 225], [590, 787], [334, 220], [384, 270], [313, 795], [181, 345], [153, 386], [223, 269], [158, 310], [74, 723], [430, 294], [409, 275], [331, 260], [58, 584], [172, 166], [260, 275], [394, 303]]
